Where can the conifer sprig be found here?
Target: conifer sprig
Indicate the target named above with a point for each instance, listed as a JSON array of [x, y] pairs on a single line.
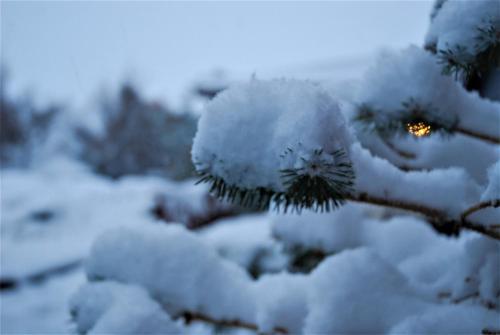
[[322, 182], [388, 124], [467, 64]]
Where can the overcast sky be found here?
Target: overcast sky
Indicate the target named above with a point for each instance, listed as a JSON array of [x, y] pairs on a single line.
[[69, 50]]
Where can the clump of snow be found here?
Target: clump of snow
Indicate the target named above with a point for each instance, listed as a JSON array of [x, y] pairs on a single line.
[[492, 190], [457, 23], [327, 232], [281, 302], [401, 238], [247, 241], [181, 272], [450, 190], [176, 268], [398, 76], [475, 271], [436, 152], [414, 75], [114, 308], [347, 290], [443, 319], [253, 130]]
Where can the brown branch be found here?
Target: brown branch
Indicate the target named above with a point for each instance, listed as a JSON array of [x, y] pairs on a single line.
[[477, 207], [412, 207], [472, 133], [400, 152], [487, 304], [465, 297], [439, 220], [190, 317]]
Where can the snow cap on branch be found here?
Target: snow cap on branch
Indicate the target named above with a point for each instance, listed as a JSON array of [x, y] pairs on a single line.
[[326, 232], [408, 87], [114, 308], [176, 268], [459, 23], [266, 136]]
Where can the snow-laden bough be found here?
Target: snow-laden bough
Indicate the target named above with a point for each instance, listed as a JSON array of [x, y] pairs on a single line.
[[280, 141]]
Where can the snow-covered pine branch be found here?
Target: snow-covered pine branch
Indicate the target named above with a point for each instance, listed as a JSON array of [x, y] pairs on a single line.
[[287, 143], [465, 36], [407, 91], [284, 141], [360, 268]]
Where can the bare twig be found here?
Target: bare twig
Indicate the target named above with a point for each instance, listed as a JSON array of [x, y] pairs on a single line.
[[472, 133], [189, 317], [400, 152], [437, 218], [477, 207], [374, 200], [473, 295]]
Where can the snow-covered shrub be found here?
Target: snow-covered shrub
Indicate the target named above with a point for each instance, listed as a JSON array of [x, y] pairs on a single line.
[[139, 137], [24, 128], [416, 250]]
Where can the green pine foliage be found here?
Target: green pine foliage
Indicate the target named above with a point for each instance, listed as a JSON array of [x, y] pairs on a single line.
[[318, 184], [395, 124], [474, 65]]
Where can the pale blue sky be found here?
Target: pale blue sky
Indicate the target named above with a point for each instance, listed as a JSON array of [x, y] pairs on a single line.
[[69, 50]]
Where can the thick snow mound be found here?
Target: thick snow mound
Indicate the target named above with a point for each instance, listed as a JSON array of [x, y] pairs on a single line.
[[450, 190], [347, 290], [247, 241], [251, 131], [328, 232], [282, 302], [176, 268]]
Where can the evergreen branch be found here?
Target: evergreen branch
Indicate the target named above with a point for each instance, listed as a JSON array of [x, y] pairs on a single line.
[[190, 317], [457, 61], [395, 123], [324, 193], [321, 183], [472, 65], [390, 123]]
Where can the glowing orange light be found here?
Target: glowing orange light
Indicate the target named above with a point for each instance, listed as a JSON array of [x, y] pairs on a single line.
[[418, 129]]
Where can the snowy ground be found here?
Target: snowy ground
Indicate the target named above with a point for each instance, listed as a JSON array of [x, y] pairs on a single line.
[[49, 218]]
